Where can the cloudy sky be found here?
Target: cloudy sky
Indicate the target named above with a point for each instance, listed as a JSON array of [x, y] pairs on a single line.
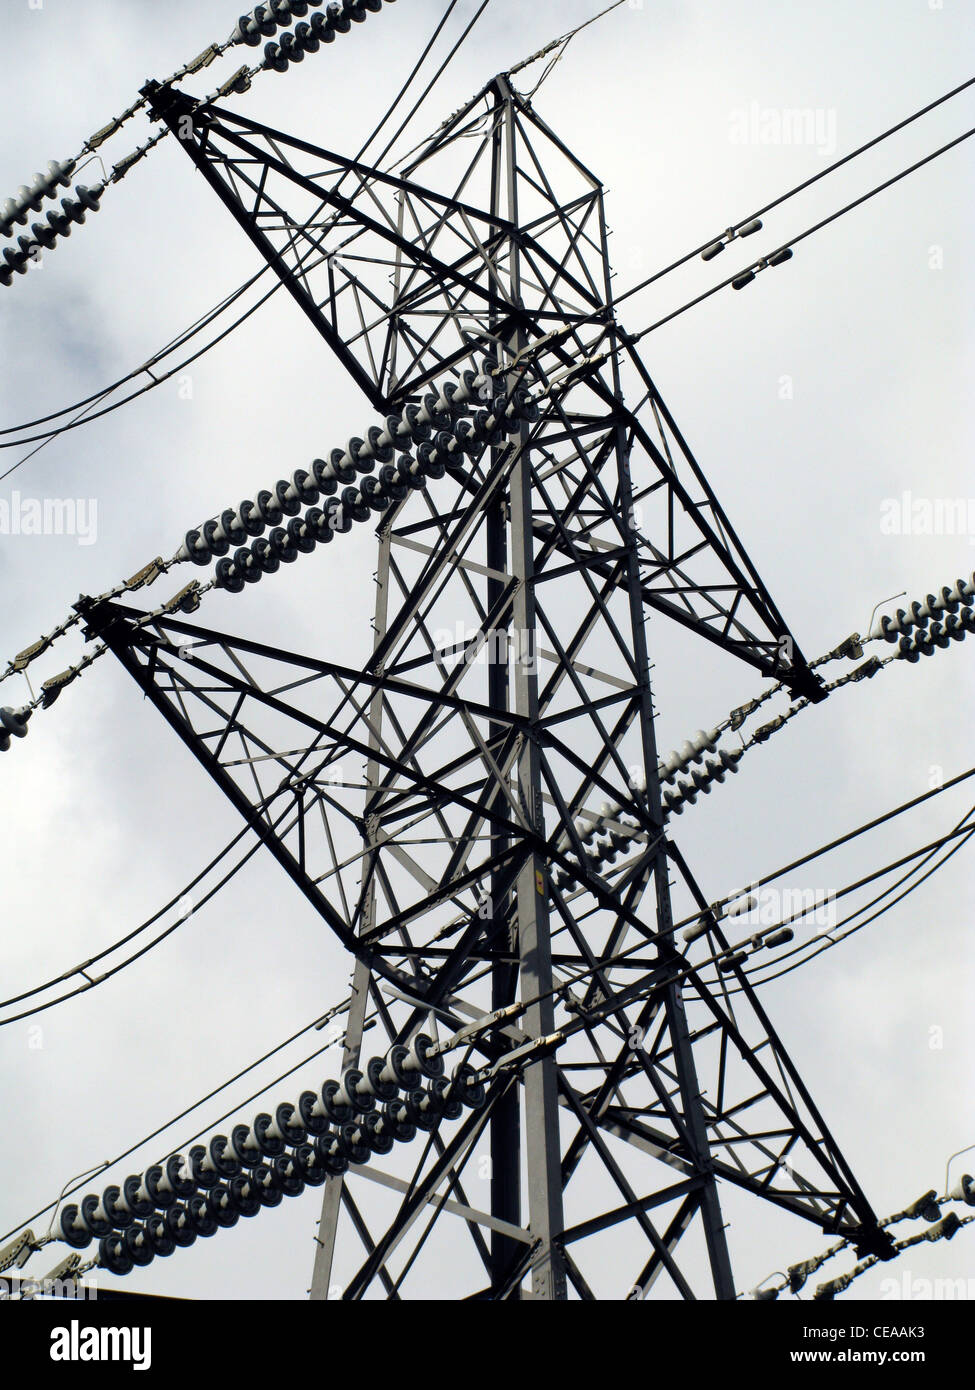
[[828, 387]]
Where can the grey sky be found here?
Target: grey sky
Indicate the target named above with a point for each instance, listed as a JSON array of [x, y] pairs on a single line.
[[831, 384]]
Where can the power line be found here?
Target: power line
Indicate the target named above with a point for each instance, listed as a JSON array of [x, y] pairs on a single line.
[[110, 950], [800, 187], [762, 263], [932, 846], [841, 840], [130, 936], [185, 336], [925, 1208], [409, 81], [561, 43], [435, 79], [137, 955], [584, 1022], [587, 1019], [111, 1163], [827, 848], [621, 957], [86, 417], [829, 943], [252, 1066], [442, 980]]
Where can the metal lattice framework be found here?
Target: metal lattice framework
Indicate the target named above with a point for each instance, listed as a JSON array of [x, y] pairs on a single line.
[[425, 803]]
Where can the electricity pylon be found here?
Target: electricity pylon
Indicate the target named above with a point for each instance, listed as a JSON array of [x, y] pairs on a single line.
[[434, 806]]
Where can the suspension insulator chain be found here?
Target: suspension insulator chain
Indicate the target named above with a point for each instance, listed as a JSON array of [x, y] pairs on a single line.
[[265, 20], [346, 1122], [371, 473]]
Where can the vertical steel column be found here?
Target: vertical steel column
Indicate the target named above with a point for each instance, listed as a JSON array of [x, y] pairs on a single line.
[[361, 976], [690, 1096], [542, 1138], [506, 1119]]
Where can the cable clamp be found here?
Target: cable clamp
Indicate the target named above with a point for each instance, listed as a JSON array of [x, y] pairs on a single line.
[[146, 576], [739, 715], [186, 601], [18, 1252], [763, 734], [24, 658], [202, 60], [239, 84], [51, 689]]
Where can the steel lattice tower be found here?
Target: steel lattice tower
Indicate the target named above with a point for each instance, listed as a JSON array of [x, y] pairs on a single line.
[[451, 866]]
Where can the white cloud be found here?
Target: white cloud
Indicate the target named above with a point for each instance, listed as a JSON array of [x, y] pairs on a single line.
[[107, 816]]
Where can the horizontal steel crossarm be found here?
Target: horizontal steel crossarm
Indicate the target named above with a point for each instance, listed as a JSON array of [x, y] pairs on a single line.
[[665, 1148], [821, 1148], [218, 123], [225, 124], [748, 649], [830, 1157], [739, 568], [117, 626], [172, 115], [221, 120], [806, 1200], [831, 1219], [804, 682]]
